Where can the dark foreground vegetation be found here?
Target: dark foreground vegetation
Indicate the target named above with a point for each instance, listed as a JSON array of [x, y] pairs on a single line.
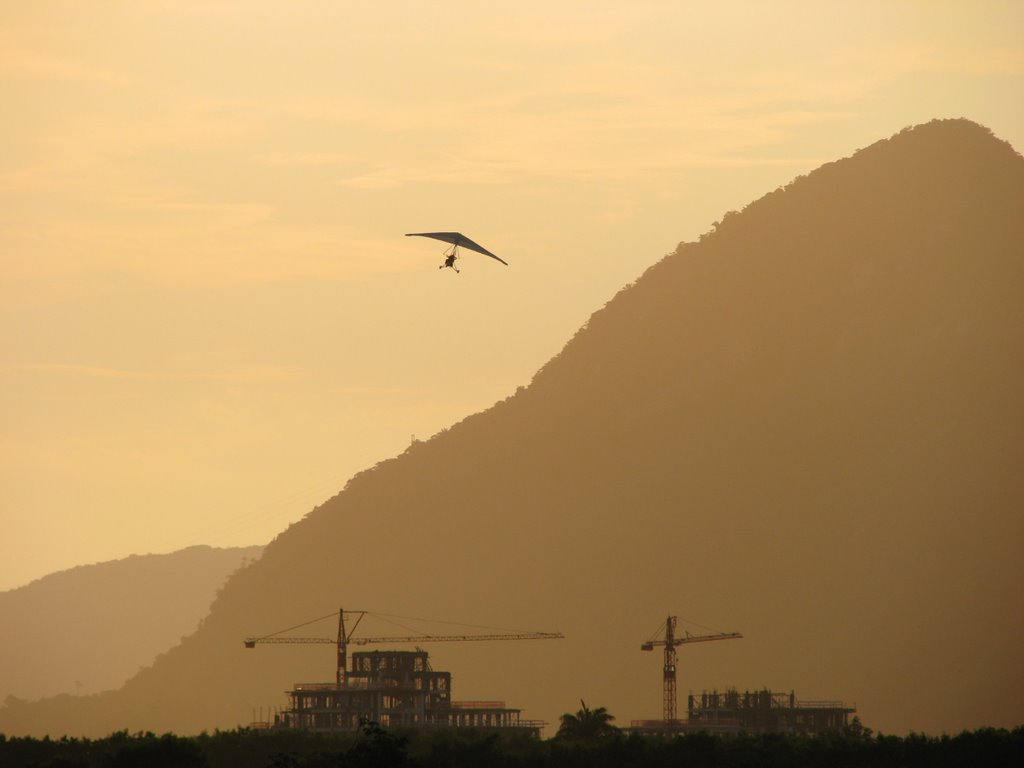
[[376, 748]]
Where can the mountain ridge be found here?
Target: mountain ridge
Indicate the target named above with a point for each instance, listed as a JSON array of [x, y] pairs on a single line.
[[121, 613]]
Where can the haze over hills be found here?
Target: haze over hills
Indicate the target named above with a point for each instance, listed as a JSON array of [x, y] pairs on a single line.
[[90, 628], [806, 427]]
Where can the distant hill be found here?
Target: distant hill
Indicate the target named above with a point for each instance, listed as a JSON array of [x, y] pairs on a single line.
[[90, 628], [808, 427]]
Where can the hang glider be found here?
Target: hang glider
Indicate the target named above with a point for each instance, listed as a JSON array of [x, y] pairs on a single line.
[[457, 240]]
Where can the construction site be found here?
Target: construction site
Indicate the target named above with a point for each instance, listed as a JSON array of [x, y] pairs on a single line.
[[394, 689], [760, 711], [391, 689], [400, 689], [765, 711]]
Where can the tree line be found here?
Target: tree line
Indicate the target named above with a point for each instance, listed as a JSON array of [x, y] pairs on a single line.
[[376, 747]]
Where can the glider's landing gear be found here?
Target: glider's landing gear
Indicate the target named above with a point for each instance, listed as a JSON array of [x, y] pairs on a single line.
[[449, 259]]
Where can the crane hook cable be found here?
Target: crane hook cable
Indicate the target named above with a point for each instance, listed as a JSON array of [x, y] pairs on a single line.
[[297, 626], [440, 621]]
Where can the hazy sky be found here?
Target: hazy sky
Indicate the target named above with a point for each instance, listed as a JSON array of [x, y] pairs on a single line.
[[210, 317]]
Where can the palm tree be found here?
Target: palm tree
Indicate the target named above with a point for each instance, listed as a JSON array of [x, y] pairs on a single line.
[[586, 725]]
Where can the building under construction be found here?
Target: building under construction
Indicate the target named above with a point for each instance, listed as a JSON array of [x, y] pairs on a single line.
[[764, 711], [761, 711], [751, 711], [394, 689]]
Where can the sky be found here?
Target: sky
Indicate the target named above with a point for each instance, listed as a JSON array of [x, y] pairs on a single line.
[[209, 316]]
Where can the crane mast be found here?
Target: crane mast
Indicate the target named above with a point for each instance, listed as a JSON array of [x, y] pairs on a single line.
[[345, 639], [342, 670], [670, 641]]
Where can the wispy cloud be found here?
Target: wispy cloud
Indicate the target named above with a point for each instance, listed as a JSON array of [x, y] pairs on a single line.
[[959, 57], [306, 159], [21, 63], [293, 376], [236, 375]]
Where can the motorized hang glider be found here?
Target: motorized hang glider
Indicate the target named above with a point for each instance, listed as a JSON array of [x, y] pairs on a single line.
[[457, 240]]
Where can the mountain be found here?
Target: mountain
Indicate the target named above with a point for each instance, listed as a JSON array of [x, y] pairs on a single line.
[[807, 427], [90, 628]]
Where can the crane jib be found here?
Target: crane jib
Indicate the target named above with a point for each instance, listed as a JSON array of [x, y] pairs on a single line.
[[344, 639], [252, 641]]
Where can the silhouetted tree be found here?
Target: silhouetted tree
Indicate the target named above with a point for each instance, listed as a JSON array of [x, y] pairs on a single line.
[[377, 748], [151, 751], [586, 725], [857, 730]]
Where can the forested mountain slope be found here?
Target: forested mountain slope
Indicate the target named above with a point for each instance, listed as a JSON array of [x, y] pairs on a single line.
[[90, 628]]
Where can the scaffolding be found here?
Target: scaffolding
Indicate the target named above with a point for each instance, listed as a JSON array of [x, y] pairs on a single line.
[[763, 711], [395, 689], [766, 711]]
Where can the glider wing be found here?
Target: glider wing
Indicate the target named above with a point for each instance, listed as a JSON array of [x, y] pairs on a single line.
[[458, 239]]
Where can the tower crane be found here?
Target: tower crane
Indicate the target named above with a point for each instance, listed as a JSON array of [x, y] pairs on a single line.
[[670, 642], [345, 638]]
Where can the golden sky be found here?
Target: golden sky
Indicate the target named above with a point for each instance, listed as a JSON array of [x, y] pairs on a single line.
[[210, 317]]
